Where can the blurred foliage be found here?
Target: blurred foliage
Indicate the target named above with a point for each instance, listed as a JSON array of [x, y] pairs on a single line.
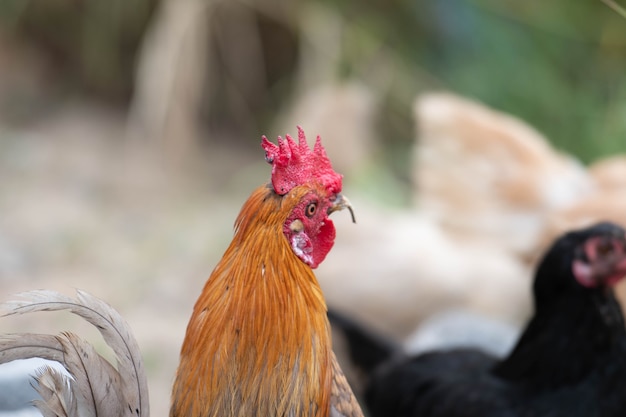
[[558, 65], [89, 45]]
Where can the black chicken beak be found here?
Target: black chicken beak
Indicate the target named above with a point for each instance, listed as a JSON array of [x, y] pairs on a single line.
[[341, 202]]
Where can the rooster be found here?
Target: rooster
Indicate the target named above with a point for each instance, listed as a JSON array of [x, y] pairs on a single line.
[[258, 341], [569, 361]]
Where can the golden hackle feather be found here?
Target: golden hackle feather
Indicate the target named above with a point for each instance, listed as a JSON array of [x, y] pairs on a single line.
[[100, 388], [258, 342]]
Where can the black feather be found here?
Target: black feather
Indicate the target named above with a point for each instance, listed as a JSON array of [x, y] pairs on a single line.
[[367, 350]]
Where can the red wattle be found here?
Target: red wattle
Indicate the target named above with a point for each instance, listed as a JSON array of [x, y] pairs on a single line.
[[323, 242]]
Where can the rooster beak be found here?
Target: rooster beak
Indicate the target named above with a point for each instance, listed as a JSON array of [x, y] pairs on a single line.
[[341, 202]]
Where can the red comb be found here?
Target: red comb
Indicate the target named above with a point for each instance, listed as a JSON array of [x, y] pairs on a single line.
[[294, 165]]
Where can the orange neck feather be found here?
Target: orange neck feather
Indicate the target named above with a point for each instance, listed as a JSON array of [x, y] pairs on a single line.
[[258, 341]]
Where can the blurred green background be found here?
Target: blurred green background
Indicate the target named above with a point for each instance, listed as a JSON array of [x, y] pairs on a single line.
[[558, 65]]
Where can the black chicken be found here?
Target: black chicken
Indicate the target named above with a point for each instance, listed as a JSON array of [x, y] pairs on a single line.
[[569, 361]]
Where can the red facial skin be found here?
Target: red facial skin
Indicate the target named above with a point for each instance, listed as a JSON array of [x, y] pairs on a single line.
[[605, 264], [308, 229]]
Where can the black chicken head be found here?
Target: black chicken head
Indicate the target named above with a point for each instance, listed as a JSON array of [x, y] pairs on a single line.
[[589, 259]]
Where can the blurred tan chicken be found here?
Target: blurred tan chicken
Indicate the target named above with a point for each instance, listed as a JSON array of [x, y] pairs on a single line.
[[607, 200], [490, 191], [487, 175]]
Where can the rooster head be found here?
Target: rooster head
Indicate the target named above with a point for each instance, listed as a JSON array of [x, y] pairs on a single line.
[[306, 181]]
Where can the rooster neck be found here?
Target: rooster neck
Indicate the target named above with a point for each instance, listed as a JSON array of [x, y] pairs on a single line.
[[258, 342]]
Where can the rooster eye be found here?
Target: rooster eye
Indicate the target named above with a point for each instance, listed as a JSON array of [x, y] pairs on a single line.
[[311, 209]]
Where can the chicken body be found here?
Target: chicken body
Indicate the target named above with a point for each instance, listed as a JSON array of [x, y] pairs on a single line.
[[258, 342], [570, 360]]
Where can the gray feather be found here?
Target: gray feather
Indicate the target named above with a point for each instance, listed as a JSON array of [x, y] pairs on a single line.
[[55, 389], [98, 388]]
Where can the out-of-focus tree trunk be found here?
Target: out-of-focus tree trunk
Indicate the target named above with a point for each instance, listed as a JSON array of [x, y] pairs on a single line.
[[170, 76]]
